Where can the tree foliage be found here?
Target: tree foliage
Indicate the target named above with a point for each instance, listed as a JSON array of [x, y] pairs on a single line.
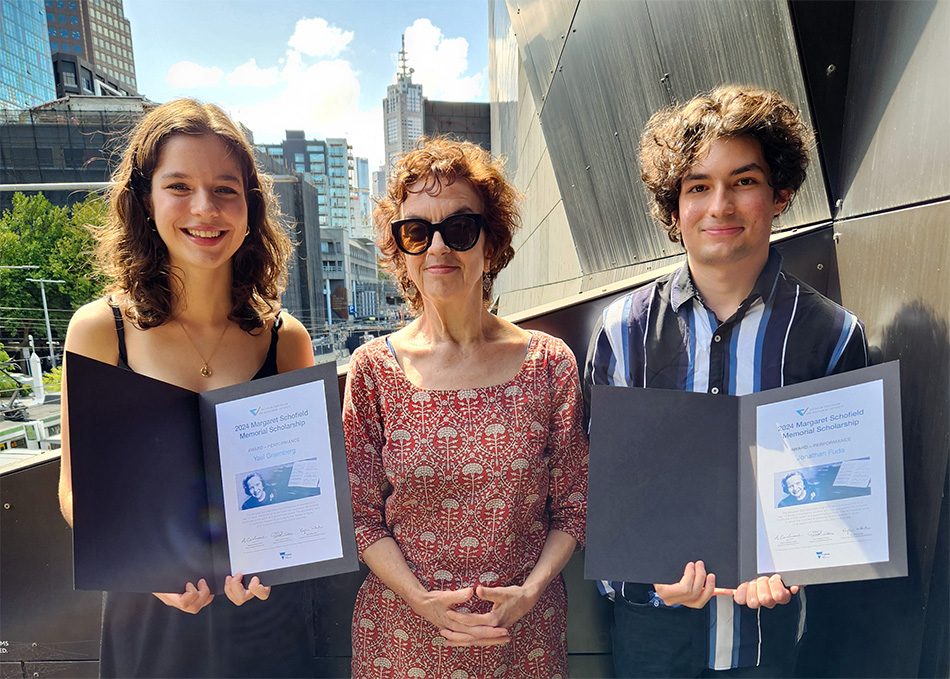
[[59, 242]]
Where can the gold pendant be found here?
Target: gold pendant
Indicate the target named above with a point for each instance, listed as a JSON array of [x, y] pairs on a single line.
[[205, 371]]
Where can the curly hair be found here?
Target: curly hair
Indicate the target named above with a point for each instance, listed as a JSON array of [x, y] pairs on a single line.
[[678, 137], [441, 162], [136, 258]]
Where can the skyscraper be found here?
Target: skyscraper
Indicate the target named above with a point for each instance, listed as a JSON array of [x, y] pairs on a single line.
[[91, 46], [26, 74], [345, 232], [402, 111]]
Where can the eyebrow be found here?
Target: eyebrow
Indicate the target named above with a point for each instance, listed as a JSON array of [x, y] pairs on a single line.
[[749, 167], [464, 210], [183, 175]]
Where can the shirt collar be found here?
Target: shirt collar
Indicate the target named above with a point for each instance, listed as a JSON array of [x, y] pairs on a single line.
[[684, 290]]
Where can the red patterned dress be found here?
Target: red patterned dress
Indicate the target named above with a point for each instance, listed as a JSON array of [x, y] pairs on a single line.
[[468, 482]]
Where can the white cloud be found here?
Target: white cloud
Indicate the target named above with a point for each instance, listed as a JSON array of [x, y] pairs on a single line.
[[323, 100], [316, 38], [439, 64], [189, 74], [252, 75]]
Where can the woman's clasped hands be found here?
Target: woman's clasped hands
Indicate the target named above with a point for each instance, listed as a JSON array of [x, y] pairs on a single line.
[[460, 628]]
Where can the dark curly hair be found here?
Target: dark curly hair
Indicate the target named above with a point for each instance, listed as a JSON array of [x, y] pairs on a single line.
[[137, 259], [441, 162], [678, 137]]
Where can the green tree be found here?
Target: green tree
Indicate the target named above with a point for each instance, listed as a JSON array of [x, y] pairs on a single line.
[[58, 241]]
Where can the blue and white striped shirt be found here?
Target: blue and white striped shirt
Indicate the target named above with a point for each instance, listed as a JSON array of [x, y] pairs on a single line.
[[784, 332]]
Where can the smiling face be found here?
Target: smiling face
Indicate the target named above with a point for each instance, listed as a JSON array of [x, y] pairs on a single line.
[[726, 206], [796, 486], [198, 201], [255, 488], [441, 274]]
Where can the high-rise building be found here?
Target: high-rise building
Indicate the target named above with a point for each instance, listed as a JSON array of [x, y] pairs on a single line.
[[26, 74], [461, 120], [402, 112], [352, 285], [91, 46]]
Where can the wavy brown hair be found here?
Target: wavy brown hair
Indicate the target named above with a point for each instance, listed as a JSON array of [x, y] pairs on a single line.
[[678, 137], [441, 162], [133, 254]]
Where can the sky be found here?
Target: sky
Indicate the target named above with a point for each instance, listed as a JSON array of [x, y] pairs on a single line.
[[318, 66]]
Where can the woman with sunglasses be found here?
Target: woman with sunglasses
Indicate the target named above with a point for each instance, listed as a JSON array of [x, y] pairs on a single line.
[[467, 455], [198, 260]]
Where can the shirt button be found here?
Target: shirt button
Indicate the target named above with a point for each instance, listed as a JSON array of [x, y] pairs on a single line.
[[717, 338], [714, 390]]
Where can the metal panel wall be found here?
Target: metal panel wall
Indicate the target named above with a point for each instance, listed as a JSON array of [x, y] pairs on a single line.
[[541, 27], [619, 62], [897, 123], [704, 44], [605, 87], [894, 274], [503, 84]]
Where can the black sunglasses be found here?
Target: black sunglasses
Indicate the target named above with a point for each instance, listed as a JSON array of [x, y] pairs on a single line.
[[459, 232]]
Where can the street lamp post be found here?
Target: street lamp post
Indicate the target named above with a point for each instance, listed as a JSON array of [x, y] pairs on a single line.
[[49, 333]]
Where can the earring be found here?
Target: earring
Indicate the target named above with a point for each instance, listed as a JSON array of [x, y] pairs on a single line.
[[411, 291], [486, 282], [151, 223], [248, 232]]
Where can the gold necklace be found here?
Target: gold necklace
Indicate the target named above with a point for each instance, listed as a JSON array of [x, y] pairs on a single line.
[[205, 368]]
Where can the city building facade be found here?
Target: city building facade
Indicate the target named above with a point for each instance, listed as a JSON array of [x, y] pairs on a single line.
[[402, 112], [351, 285], [91, 46], [26, 74], [461, 120]]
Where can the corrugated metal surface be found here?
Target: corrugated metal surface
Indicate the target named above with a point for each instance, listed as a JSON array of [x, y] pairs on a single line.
[[897, 125]]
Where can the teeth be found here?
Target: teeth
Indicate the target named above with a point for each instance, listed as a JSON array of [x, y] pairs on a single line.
[[198, 233]]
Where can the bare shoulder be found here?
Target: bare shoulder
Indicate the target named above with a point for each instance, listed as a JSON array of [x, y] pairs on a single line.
[[92, 332], [294, 349]]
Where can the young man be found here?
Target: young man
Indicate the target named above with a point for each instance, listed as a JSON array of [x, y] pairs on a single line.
[[719, 169]]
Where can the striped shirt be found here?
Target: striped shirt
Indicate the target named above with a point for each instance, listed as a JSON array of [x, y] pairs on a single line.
[[662, 336]]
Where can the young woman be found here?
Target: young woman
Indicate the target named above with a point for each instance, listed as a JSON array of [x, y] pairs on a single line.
[[198, 259]]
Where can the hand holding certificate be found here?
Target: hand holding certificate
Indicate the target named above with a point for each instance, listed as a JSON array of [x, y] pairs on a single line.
[[805, 480], [248, 479]]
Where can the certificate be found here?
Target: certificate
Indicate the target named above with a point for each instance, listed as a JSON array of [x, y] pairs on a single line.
[[170, 486], [805, 481]]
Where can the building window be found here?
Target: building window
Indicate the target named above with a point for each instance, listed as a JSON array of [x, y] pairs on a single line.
[[64, 32], [75, 35], [69, 78], [78, 50], [61, 18], [54, 46], [298, 157], [61, 3], [49, 3], [72, 5], [66, 49], [52, 32], [74, 20]]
